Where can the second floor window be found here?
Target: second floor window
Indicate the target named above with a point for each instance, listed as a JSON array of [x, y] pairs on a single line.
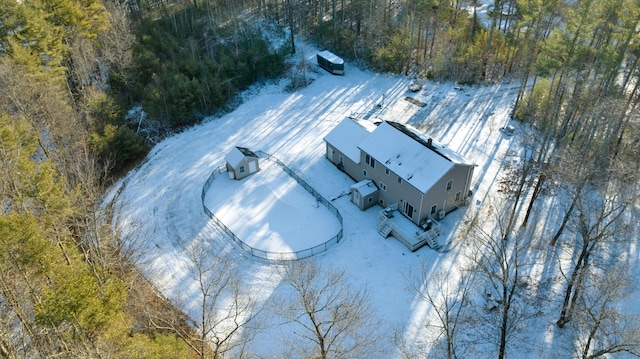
[[370, 161], [449, 185]]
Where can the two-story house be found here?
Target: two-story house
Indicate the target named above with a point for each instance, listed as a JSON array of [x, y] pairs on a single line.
[[395, 164]]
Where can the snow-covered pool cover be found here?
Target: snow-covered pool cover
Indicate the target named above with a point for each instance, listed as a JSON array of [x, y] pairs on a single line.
[[270, 211]]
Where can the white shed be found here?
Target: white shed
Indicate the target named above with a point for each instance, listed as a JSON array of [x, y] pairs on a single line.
[[241, 162], [364, 194]]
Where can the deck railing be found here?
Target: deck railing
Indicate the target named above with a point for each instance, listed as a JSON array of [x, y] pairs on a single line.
[[413, 243]]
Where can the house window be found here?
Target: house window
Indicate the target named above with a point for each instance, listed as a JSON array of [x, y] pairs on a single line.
[[341, 160], [364, 172], [434, 208], [381, 201], [383, 186], [386, 170], [370, 161], [241, 169], [370, 199], [449, 185], [457, 196], [399, 180]]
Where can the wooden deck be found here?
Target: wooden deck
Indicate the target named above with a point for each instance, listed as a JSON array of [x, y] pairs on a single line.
[[392, 222]]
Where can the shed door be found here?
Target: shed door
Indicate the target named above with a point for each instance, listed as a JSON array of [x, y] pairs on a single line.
[[356, 198], [252, 167], [330, 153]]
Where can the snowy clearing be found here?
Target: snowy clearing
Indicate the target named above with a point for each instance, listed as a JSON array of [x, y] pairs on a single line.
[[158, 208]]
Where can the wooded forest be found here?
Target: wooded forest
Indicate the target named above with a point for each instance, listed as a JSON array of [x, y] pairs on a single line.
[[71, 71]]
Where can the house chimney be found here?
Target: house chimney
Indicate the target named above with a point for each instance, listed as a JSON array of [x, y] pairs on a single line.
[[429, 141]]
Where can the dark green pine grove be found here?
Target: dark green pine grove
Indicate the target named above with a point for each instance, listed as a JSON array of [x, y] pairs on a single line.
[[70, 70], [188, 66]]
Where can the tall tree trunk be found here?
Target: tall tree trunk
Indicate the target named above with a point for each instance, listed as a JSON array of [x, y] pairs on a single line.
[[536, 192], [592, 334], [411, 26], [569, 212], [564, 317], [518, 195], [577, 287], [630, 108]]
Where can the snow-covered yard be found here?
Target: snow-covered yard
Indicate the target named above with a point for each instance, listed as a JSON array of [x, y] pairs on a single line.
[[158, 207], [270, 211]]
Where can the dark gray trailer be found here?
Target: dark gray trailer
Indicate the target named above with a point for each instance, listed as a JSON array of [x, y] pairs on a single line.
[[331, 62]]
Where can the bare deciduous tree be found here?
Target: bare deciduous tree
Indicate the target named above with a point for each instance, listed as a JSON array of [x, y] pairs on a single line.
[[447, 297], [227, 309], [335, 320], [601, 327], [599, 219], [500, 264], [228, 313]]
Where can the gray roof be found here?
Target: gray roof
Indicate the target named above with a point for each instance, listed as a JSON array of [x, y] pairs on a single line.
[[237, 154], [410, 154], [346, 136], [365, 187]]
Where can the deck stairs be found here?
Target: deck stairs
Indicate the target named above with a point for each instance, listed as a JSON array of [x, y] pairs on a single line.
[[432, 239], [385, 228], [427, 235]]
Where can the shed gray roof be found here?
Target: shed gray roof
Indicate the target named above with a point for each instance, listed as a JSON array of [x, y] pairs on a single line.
[[365, 187], [237, 154]]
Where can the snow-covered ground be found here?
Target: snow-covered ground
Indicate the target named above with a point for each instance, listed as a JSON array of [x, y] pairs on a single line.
[[270, 211], [158, 207]]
